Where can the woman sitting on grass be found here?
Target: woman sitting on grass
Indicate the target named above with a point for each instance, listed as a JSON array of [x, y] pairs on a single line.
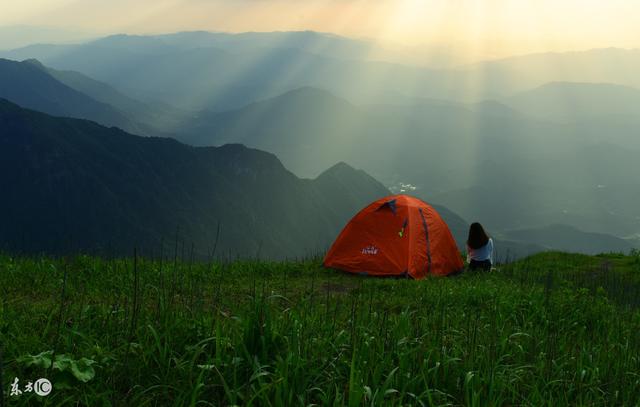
[[479, 248]]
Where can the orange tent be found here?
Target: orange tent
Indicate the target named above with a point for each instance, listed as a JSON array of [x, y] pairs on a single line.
[[396, 236]]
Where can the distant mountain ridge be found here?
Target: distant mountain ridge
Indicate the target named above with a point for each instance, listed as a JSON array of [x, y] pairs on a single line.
[[30, 85], [572, 101], [151, 119], [247, 67], [71, 184], [139, 65], [569, 239], [598, 65]]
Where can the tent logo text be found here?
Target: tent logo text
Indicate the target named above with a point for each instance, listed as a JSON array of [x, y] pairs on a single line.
[[370, 250]]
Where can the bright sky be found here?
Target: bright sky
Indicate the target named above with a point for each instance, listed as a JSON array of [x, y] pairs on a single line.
[[483, 27]]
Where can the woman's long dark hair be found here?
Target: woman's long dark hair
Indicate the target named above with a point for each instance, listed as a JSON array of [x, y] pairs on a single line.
[[477, 236]]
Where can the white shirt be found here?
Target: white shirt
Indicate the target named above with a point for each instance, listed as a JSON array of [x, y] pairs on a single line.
[[481, 254]]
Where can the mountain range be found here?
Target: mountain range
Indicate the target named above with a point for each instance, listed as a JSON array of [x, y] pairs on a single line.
[[29, 84], [217, 71], [573, 101], [569, 239], [543, 150], [72, 184], [451, 154]]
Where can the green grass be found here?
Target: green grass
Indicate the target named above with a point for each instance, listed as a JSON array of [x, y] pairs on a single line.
[[554, 329]]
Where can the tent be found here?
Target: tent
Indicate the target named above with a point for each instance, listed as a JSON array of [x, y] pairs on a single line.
[[398, 235]]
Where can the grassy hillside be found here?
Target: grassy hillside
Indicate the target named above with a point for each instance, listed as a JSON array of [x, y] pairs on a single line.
[[553, 329]]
